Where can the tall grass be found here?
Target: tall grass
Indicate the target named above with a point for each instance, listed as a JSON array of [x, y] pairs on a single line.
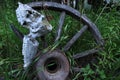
[[108, 64]]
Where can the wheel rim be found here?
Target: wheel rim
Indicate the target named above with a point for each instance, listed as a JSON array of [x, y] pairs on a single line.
[[88, 25]]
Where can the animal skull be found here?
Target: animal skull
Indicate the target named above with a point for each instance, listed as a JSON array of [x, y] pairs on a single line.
[[37, 25]]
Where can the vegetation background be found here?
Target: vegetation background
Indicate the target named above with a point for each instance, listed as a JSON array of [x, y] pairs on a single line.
[[108, 60]]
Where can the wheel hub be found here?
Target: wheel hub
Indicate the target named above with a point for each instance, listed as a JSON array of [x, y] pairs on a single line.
[[53, 65]]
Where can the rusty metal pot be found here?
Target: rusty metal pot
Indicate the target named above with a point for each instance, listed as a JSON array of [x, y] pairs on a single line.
[[53, 66]]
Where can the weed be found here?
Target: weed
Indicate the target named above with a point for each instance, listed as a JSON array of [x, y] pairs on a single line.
[[108, 23]]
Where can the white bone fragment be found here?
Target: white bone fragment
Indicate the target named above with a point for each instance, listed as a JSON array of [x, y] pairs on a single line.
[[37, 25], [29, 50], [32, 19]]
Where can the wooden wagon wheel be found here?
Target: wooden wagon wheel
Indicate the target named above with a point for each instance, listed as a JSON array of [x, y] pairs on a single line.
[[60, 69]]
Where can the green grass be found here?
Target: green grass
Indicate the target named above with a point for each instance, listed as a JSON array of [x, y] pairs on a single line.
[[107, 68]]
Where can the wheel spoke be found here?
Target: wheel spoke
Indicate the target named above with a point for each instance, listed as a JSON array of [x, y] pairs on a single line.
[[61, 22], [76, 69], [85, 53], [74, 13], [74, 38], [44, 42], [17, 32]]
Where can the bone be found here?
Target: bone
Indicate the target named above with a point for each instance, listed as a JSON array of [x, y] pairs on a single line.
[[29, 50], [37, 25]]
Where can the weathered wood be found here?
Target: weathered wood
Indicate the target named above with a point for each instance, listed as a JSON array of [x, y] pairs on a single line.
[[74, 13], [17, 32], [2, 78], [56, 7], [74, 38], [60, 24], [95, 32], [60, 72], [85, 53], [76, 69], [44, 42]]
